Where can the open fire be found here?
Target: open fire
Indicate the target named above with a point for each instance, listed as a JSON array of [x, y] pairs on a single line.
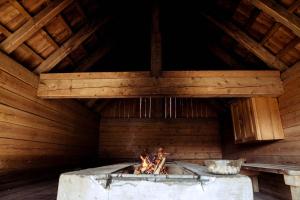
[[152, 164]]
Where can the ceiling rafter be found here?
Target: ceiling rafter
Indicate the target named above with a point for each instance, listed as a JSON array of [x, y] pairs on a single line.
[[288, 47], [22, 10], [280, 14], [71, 44], [250, 44], [23, 47], [33, 25]]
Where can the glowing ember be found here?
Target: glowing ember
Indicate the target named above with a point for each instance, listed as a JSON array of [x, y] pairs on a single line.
[[152, 164]]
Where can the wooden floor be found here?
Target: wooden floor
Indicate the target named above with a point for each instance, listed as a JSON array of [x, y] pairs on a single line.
[[47, 191]]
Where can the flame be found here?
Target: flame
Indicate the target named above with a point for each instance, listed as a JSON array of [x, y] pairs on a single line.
[[156, 165]]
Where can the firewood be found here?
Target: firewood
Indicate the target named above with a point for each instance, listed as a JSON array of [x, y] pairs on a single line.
[[160, 166]]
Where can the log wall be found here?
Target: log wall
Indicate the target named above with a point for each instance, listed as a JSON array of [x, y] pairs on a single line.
[[124, 137], [36, 133]]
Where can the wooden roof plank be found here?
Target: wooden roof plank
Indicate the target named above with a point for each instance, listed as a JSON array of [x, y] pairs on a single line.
[[279, 13], [276, 26], [22, 10], [250, 44], [71, 44], [287, 48], [24, 46], [33, 25]]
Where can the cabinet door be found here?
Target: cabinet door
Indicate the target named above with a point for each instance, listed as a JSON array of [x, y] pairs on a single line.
[[249, 121], [268, 118], [243, 121], [237, 121]]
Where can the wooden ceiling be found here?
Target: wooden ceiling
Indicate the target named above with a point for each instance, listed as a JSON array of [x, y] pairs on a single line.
[[91, 35]]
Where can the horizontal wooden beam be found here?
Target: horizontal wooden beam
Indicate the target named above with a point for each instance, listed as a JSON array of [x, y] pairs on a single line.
[[171, 83], [279, 13], [250, 44], [33, 25]]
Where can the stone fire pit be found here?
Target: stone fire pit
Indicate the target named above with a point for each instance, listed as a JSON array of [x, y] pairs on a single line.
[[184, 181]]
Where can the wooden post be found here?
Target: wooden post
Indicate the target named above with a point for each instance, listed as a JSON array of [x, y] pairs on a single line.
[[156, 51], [255, 185], [294, 183]]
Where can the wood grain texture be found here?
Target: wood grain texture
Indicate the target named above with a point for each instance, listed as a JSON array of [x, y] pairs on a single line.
[[34, 25], [70, 45], [279, 13], [190, 140], [36, 133], [250, 44], [176, 84], [281, 152]]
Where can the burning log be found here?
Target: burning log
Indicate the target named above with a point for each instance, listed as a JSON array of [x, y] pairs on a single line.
[[156, 165], [160, 166]]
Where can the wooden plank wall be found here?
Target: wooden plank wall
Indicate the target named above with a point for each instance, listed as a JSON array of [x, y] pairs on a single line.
[[169, 108], [286, 151], [36, 133], [189, 139]]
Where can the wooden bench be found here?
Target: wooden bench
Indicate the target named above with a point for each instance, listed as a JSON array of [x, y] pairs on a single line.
[[291, 175]]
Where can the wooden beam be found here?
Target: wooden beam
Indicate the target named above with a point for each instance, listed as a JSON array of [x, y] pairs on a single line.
[[33, 25], [156, 51], [276, 26], [288, 47], [250, 44], [279, 13], [24, 12], [23, 47], [70, 45], [176, 84]]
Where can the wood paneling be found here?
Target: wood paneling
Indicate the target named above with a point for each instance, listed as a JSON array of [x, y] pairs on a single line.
[[286, 151], [256, 119], [171, 83], [192, 140], [158, 108], [36, 133]]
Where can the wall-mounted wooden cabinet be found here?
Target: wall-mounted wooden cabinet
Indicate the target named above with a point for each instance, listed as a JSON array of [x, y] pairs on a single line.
[[256, 119]]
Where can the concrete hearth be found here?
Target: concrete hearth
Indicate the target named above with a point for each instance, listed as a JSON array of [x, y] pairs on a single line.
[[186, 181]]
